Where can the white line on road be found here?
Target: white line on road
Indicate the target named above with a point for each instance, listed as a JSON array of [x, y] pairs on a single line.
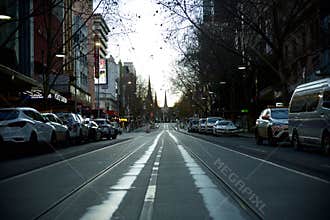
[[149, 199], [117, 192], [265, 161], [218, 204], [253, 149]]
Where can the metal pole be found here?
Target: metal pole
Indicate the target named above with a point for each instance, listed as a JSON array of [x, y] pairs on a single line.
[[98, 97], [75, 81], [75, 92]]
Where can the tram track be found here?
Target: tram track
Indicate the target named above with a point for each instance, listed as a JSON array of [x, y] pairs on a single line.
[[89, 181]]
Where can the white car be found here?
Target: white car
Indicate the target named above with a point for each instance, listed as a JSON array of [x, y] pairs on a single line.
[[62, 131], [77, 129], [210, 122], [25, 125], [225, 127]]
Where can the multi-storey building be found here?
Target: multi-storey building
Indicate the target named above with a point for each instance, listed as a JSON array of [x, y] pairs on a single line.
[[109, 91], [100, 36], [74, 82], [127, 90], [30, 42]]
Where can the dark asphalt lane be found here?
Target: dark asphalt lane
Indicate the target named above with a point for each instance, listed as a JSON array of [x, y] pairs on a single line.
[[25, 196], [310, 161], [159, 179], [167, 175], [22, 163], [283, 192]]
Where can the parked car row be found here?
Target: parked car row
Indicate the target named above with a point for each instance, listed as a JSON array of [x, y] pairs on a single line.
[[212, 125], [27, 125], [305, 123]]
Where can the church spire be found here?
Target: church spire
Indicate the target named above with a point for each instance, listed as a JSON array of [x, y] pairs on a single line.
[[165, 102], [156, 101], [149, 94]]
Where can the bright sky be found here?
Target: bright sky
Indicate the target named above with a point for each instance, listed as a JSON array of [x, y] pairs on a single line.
[[145, 47]]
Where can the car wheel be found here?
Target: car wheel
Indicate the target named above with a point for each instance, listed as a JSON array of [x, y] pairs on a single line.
[[95, 135], [271, 140], [326, 144], [259, 139], [79, 137], [33, 139], [114, 137], [67, 139], [53, 140], [295, 141]]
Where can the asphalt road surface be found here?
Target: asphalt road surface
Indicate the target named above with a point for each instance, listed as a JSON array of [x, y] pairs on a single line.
[[169, 174]]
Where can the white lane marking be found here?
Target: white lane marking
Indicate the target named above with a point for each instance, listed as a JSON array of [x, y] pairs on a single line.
[[62, 161], [149, 198], [266, 162], [173, 137], [117, 192], [218, 204], [253, 149]]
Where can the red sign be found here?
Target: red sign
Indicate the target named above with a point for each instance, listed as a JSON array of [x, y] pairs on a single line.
[[96, 58]]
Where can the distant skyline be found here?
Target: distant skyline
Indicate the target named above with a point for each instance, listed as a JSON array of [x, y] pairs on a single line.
[[145, 47]]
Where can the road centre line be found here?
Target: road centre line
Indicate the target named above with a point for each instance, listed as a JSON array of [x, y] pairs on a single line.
[[149, 199], [265, 161], [108, 207]]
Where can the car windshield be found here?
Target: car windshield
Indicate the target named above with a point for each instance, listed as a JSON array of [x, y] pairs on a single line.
[[212, 120], [66, 117], [280, 114], [224, 123], [100, 122], [8, 114]]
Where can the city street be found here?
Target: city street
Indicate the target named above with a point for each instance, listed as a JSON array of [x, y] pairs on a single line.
[[167, 174]]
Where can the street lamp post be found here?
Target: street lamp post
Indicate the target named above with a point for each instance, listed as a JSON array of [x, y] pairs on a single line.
[[75, 78], [97, 45]]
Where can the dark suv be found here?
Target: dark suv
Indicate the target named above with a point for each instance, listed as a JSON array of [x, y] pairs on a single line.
[[272, 125]]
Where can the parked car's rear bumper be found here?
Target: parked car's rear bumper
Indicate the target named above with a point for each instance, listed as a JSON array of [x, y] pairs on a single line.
[[15, 135], [226, 131]]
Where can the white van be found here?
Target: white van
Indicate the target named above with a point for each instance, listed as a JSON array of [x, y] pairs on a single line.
[[309, 115]]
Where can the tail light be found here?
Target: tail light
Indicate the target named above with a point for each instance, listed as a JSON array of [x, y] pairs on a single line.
[[20, 124]]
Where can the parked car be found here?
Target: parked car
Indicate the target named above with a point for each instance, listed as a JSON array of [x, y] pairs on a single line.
[[117, 128], [62, 131], [225, 127], [94, 131], [210, 122], [309, 115], [272, 125], [192, 124], [106, 128], [202, 125], [25, 125], [78, 131]]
